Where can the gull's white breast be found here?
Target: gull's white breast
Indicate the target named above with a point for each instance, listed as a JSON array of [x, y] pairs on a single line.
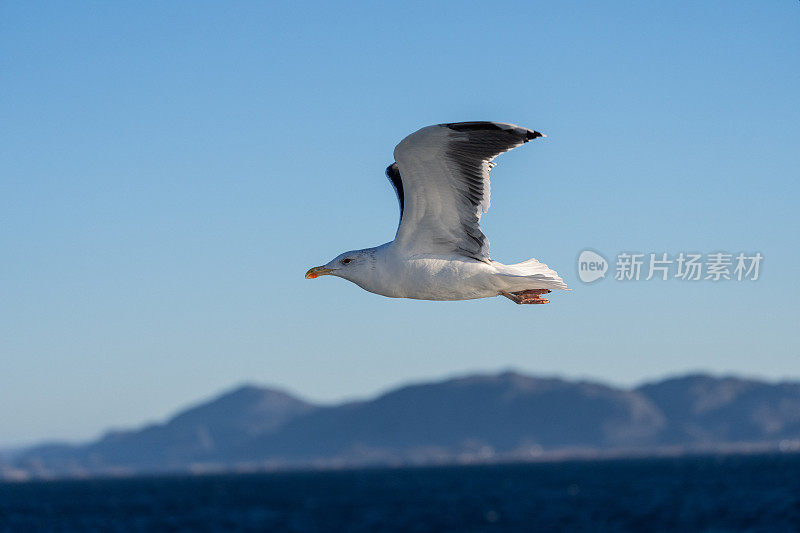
[[431, 277]]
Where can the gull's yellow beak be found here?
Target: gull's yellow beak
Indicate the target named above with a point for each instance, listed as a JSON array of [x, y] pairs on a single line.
[[317, 271]]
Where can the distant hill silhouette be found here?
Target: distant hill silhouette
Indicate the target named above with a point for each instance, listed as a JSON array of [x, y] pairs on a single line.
[[480, 417], [706, 409], [198, 434], [504, 412]]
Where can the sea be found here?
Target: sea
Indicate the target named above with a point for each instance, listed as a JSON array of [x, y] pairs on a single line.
[[709, 493]]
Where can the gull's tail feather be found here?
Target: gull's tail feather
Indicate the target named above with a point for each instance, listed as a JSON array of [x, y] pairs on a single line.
[[532, 274]]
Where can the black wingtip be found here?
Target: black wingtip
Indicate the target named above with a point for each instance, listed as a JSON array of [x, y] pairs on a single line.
[[526, 134], [531, 135], [473, 126]]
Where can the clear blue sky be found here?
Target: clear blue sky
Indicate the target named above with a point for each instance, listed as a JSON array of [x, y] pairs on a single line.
[[168, 171]]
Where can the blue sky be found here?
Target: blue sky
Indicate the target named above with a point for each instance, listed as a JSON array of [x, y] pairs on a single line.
[[169, 171]]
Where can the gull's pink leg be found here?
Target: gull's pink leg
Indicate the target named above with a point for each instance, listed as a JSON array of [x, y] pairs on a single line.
[[531, 296]]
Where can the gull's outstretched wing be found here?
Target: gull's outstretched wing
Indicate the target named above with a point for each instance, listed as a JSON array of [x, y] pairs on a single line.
[[441, 177]]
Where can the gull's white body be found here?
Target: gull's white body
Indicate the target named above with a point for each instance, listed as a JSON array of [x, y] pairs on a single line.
[[391, 271], [441, 177]]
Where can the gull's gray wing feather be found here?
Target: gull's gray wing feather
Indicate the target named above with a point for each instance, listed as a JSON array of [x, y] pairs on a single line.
[[442, 181]]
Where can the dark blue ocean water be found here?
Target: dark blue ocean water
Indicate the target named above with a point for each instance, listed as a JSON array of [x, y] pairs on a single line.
[[734, 493]]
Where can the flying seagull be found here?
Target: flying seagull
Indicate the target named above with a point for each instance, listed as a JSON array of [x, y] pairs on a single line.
[[441, 177]]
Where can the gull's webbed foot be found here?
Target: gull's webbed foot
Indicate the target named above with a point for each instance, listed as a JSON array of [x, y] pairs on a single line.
[[531, 296]]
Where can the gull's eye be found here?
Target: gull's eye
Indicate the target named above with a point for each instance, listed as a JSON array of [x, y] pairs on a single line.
[[346, 260]]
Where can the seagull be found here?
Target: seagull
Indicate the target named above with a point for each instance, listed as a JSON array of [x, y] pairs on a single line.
[[441, 177]]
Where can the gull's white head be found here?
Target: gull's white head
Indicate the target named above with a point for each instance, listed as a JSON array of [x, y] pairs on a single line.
[[355, 266]]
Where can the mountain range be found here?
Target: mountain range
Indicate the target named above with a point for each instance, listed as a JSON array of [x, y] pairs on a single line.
[[508, 416]]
